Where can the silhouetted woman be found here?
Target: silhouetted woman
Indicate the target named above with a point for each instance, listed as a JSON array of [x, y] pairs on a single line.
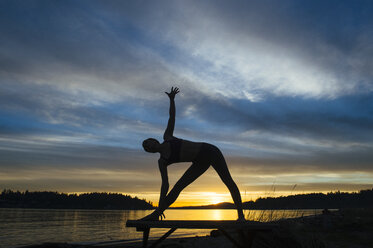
[[202, 155]]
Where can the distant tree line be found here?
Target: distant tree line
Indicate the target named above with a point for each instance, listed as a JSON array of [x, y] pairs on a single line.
[[55, 200], [332, 200]]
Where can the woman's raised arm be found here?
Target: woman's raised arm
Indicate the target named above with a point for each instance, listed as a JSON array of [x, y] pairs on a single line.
[[171, 121]]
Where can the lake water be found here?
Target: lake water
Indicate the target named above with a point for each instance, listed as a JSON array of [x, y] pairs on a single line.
[[34, 226]]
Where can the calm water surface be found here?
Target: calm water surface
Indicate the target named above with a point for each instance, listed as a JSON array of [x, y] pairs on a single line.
[[34, 226]]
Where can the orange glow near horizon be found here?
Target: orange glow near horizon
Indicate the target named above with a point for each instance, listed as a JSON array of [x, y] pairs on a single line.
[[201, 198]]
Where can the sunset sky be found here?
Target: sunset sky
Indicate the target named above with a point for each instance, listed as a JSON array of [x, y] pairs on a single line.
[[283, 88]]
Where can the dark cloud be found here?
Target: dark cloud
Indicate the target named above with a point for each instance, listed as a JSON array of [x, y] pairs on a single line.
[[75, 48], [333, 35], [16, 155], [346, 119], [327, 161]]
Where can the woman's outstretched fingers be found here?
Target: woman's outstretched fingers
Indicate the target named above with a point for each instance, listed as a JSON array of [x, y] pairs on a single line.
[[173, 92]]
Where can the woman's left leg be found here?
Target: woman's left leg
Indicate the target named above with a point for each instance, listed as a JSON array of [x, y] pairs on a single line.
[[190, 175]]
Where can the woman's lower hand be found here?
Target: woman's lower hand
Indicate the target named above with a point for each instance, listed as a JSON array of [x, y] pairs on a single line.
[[162, 216]]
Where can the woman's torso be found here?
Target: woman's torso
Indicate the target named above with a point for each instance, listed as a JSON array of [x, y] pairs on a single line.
[[180, 150]]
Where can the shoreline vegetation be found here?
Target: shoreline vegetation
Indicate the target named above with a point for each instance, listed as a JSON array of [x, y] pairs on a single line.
[[116, 201], [55, 200]]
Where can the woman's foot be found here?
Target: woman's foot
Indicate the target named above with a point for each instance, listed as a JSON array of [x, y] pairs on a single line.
[[241, 217], [154, 216]]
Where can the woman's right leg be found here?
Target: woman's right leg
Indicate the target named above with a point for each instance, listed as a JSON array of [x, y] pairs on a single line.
[[222, 169]]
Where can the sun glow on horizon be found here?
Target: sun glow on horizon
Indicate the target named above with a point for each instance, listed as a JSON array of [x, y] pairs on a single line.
[[201, 198], [215, 198]]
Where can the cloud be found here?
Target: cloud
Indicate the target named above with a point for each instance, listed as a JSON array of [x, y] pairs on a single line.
[[267, 49], [66, 48], [263, 48]]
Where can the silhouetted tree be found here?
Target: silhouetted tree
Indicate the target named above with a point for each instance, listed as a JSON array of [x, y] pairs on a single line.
[[55, 200]]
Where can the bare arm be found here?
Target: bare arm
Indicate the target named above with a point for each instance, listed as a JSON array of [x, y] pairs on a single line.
[[164, 188], [171, 121]]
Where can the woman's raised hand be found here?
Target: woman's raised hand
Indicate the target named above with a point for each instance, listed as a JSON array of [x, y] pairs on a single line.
[[173, 92]]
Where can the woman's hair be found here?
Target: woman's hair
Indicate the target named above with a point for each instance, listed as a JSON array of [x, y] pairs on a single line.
[[147, 140]]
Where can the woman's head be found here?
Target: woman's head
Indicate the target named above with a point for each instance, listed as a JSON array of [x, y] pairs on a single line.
[[150, 145]]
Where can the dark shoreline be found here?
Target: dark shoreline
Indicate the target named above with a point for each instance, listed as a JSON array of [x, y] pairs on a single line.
[[115, 201]]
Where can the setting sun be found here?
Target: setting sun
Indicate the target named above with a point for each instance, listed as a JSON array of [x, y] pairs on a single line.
[[215, 198], [207, 198]]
